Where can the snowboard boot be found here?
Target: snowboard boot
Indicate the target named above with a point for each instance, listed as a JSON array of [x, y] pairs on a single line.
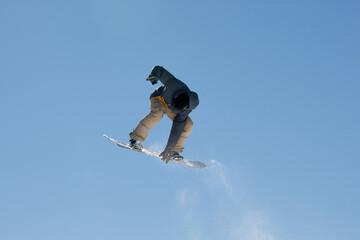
[[176, 156], [136, 145], [169, 155]]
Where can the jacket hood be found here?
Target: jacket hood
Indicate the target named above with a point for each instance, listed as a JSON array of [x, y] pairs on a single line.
[[194, 100]]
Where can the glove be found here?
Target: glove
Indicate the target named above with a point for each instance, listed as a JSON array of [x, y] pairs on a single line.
[[153, 79], [166, 156]]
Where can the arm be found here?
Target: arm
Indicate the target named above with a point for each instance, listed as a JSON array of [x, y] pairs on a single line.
[[160, 73], [176, 129]]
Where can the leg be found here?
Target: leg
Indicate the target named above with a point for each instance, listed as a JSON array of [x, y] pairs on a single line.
[[157, 110], [185, 133]]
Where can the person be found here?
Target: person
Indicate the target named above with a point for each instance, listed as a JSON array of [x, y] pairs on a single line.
[[175, 100]]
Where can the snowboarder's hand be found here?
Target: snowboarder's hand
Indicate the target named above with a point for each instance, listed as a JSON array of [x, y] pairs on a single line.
[[153, 79], [166, 156]]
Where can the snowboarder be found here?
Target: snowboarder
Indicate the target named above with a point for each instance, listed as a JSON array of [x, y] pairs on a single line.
[[175, 100]]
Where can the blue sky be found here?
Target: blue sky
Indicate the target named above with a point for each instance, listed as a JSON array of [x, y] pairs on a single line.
[[277, 124]]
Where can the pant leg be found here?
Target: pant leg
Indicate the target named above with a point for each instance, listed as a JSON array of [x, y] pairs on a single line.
[[185, 133], [157, 110]]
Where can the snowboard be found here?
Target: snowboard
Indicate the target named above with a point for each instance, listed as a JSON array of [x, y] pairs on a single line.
[[185, 162]]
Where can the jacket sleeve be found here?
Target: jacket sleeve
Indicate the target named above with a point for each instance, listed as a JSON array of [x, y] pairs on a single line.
[[178, 126], [161, 73]]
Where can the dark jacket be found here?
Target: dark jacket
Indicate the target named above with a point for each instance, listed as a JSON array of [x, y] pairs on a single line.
[[171, 88]]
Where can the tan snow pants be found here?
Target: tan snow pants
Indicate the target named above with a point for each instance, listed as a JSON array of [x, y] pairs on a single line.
[[157, 111]]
